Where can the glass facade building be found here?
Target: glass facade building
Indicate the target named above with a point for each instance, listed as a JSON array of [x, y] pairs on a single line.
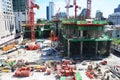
[[47, 14], [20, 11], [19, 5], [50, 11]]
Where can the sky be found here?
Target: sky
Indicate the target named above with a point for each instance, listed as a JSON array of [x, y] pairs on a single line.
[[105, 6]]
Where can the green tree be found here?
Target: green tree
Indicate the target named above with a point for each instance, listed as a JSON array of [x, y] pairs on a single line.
[[39, 20], [110, 23]]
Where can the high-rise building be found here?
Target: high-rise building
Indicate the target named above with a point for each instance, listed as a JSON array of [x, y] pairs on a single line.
[[83, 14], [7, 29], [99, 15], [50, 11], [20, 12], [115, 17], [47, 12], [117, 9], [62, 15]]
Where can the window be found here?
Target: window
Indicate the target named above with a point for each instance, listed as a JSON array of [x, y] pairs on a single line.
[[2, 37], [118, 35], [23, 13]]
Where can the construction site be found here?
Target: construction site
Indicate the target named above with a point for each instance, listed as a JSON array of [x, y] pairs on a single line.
[[67, 49]]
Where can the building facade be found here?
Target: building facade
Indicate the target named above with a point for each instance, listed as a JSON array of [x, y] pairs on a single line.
[[7, 29], [50, 11], [117, 9], [99, 15], [115, 18], [20, 12], [62, 15], [47, 12], [82, 15], [113, 31]]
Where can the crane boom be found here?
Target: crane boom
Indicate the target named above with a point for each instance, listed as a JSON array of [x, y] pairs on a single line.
[[57, 14], [67, 8]]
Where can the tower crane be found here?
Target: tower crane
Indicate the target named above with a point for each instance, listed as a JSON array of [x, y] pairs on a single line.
[[88, 12], [57, 14], [31, 6], [57, 21], [76, 6], [67, 7]]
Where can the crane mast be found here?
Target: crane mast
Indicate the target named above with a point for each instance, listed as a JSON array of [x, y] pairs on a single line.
[[67, 8], [57, 14], [88, 12], [76, 6], [31, 6]]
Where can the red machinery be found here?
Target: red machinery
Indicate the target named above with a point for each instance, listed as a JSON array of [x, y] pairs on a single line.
[[22, 72], [33, 47], [31, 6], [88, 12]]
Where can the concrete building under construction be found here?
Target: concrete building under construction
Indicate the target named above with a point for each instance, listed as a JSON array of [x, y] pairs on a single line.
[[85, 39]]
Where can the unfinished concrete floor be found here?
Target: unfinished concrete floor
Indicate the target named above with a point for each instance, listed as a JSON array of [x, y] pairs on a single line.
[[35, 56]]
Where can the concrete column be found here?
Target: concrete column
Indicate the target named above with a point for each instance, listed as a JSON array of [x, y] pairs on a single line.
[[81, 44], [68, 48], [96, 48], [81, 49], [81, 34]]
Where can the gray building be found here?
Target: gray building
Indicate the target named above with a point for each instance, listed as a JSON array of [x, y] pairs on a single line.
[[117, 9], [62, 15], [99, 15], [115, 18]]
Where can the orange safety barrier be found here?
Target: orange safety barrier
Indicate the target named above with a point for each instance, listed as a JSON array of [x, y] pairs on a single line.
[[8, 47], [40, 68]]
